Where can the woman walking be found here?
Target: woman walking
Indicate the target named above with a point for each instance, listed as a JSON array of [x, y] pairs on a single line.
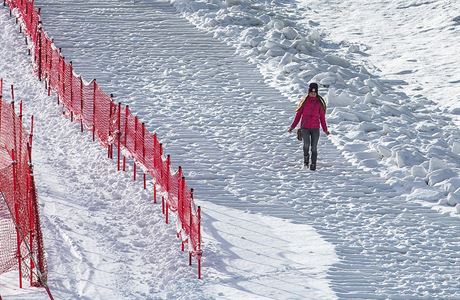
[[312, 111]]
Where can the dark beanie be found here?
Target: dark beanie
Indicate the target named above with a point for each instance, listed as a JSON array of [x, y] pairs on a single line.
[[313, 87]]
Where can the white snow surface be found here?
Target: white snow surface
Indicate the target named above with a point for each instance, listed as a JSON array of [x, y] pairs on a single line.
[[218, 81]]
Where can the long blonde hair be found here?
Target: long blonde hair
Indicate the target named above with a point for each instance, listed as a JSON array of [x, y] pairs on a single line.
[[301, 102]]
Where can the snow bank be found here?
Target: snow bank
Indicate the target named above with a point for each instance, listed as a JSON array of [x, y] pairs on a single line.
[[425, 194], [343, 99]]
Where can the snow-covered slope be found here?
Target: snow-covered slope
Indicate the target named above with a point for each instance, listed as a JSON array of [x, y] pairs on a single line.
[[409, 141], [415, 41], [353, 229]]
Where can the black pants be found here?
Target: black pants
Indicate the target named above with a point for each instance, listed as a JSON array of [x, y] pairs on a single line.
[[310, 137]]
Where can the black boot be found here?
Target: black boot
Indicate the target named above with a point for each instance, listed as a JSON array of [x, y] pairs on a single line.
[[306, 160], [314, 156]]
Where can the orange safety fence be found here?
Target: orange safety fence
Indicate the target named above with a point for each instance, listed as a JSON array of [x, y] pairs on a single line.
[[115, 127], [20, 233]]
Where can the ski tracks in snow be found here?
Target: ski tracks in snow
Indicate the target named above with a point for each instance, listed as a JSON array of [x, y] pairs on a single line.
[[227, 128]]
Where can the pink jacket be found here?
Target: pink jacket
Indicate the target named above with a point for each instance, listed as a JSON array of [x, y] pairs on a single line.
[[312, 114]]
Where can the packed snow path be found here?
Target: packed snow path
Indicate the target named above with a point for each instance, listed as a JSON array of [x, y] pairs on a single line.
[[227, 128]]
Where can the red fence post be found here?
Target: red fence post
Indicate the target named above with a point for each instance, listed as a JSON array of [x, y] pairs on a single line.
[[20, 133], [63, 78], [71, 91], [160, 165], [60, 84], [135, 147], [119, 135], [31, 9], [14, 128], [16, 213], [190, 233], [154, 167], [135, 134], [126, 125], [45, 49], [29, 144], [31, 223], [168, 168], [15, 191], [51, 66], [182, 202], [168, 172], [26, 12], [39, 52], [179, 191], [143, 143], [167, 212], [58, 74], [1, 105], [81, 104], [155, 146], [45, 59], [199, 242], [110, 146], [31, 129], [160, 162], [29, 152], [154, 149], [94, 109], [143, 154], [134, 169]]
